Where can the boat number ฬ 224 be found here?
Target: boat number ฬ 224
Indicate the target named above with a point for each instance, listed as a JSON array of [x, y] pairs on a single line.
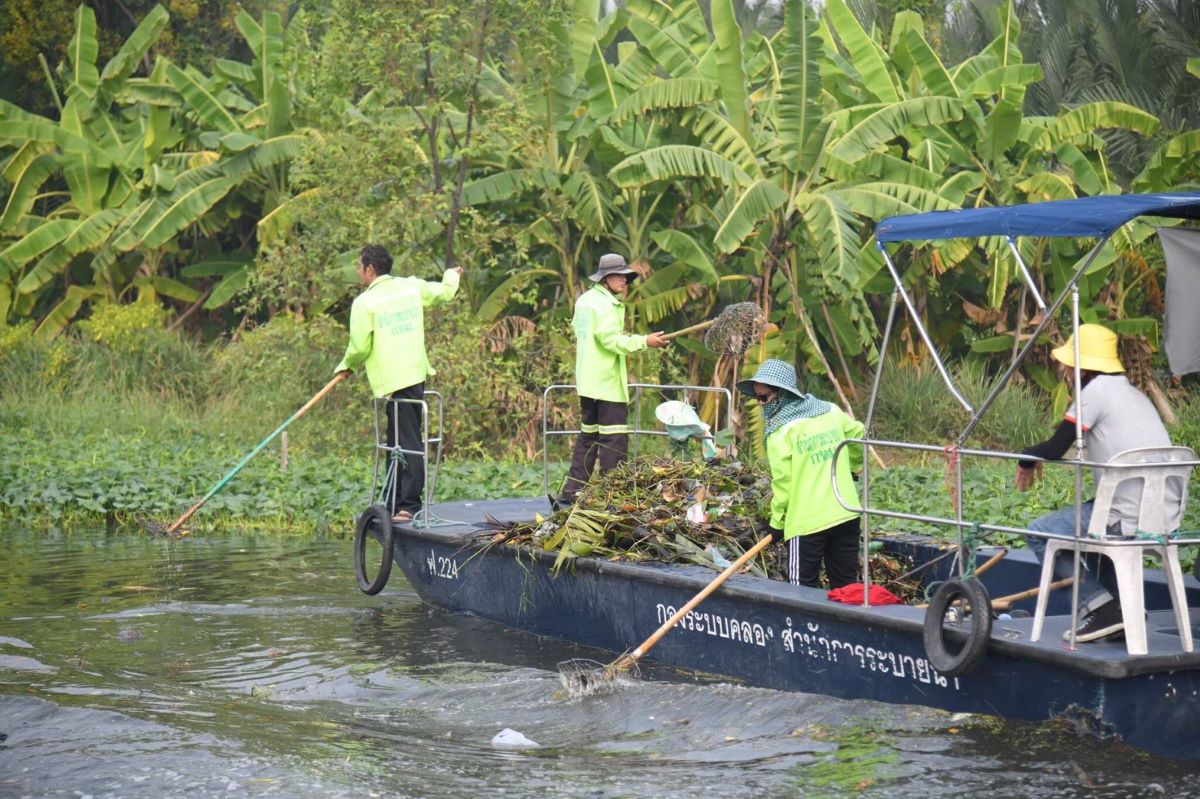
[[446, 568]]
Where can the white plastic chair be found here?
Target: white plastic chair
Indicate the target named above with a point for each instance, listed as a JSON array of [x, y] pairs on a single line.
[[1153, 471]]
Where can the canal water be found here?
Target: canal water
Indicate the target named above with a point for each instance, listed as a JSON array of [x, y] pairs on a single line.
[[251, 666]]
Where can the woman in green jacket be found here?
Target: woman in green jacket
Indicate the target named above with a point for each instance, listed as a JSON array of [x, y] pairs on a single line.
[[801, 433]]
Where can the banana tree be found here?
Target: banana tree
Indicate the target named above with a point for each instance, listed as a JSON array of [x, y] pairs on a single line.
[[763, 140], [995, 155], [101, 196], [558, 184]]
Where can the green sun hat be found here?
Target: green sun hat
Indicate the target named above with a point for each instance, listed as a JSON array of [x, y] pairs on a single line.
[[775, 373]]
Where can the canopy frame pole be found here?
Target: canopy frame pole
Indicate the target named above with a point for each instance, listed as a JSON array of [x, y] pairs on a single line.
[[1037, 297], [916, 320], [976, 416], [1077, 378], [866, 467]]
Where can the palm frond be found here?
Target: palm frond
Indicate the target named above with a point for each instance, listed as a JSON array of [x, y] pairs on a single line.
[[831, 230], [799, 106], [719, 135], [891, 121], [590, 201], [264, 156]]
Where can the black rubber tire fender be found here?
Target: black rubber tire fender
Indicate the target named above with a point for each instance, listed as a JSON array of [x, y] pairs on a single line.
[[948, 661], [376, 523]]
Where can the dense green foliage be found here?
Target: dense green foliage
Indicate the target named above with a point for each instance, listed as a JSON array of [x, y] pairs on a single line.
[[143, 180], [119, 419], [176, 227], [730, 150]]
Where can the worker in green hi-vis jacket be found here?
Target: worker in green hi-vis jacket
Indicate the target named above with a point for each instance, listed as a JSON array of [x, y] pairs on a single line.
[[387, 338], [601, 345], [801, 434]]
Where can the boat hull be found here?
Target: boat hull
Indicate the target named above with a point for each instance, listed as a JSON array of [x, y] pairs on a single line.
[[769, 634]]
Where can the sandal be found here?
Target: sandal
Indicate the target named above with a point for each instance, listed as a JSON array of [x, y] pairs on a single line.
[[402, 517]]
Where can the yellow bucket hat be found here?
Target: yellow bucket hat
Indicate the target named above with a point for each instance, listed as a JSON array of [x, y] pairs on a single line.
[[1097, 350]]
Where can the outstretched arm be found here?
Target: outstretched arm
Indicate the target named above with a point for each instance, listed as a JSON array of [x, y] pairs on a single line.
[[434, 293], [1052, 449], [612, 338]]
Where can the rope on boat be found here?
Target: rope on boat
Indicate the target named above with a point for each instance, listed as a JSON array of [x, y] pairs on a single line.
[[950, 452], [971, 542], [972, 539]]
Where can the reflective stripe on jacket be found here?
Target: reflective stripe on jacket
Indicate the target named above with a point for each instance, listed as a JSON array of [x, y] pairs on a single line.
[[802, 499], [601, 345], [387, 330]]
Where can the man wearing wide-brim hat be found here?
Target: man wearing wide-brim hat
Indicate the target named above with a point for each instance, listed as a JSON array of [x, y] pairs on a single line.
[[1115, 416], [601, 345]]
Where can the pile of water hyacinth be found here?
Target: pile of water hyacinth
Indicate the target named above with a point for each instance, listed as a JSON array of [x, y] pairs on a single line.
[[671, 511]]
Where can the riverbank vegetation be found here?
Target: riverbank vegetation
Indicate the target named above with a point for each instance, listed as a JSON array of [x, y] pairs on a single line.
[[184, 191], [119, 420]]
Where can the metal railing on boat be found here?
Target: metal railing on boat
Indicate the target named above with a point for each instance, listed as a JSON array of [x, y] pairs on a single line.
[[955, 457], [395, 454], [984, 526], [637, 431]]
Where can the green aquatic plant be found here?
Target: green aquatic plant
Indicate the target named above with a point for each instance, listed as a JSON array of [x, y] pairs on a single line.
[[72, 479]]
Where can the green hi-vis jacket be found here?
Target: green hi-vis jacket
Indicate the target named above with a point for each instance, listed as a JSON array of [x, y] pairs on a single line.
[[387, 330], [601, 346], [799, 453]]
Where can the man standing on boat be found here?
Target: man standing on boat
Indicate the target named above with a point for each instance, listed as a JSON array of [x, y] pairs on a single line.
[[387, 338], [1116, 416], [601, 345]]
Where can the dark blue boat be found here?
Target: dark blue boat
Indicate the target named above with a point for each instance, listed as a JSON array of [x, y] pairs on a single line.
[[773, 635]]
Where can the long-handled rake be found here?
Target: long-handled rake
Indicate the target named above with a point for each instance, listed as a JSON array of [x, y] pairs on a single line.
[[173, 529], [586, 677]]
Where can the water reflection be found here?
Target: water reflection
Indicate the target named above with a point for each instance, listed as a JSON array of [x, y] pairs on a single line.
[[252, 666]]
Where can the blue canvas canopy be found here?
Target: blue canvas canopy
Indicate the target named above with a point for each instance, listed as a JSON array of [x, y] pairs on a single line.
[[1083, 217]]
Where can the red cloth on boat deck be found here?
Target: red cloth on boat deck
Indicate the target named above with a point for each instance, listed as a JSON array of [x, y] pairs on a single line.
[[852, 594]]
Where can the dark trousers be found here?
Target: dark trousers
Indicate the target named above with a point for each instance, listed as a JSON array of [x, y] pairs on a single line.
[[835, 547], [603, 439], [404, 429]]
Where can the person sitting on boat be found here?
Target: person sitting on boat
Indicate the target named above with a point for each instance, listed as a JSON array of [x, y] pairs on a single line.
[[601, 345], [1116, 416], [387, 338], [801, 433]]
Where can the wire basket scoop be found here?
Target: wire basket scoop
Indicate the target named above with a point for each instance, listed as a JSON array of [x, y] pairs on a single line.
[[736, 329], [582, 677]]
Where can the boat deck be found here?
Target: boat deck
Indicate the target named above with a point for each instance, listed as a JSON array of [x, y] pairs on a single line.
[[463, 525]]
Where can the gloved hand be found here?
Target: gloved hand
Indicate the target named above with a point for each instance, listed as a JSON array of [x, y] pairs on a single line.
[[765, 528]]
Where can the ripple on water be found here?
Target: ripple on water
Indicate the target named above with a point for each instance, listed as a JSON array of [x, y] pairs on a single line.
[[252, 666]]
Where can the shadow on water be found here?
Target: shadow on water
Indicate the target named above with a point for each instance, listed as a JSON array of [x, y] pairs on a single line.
[[252, 666]]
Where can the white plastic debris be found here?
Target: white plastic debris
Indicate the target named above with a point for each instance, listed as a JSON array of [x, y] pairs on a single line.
[[512, 739], [719, 560]]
